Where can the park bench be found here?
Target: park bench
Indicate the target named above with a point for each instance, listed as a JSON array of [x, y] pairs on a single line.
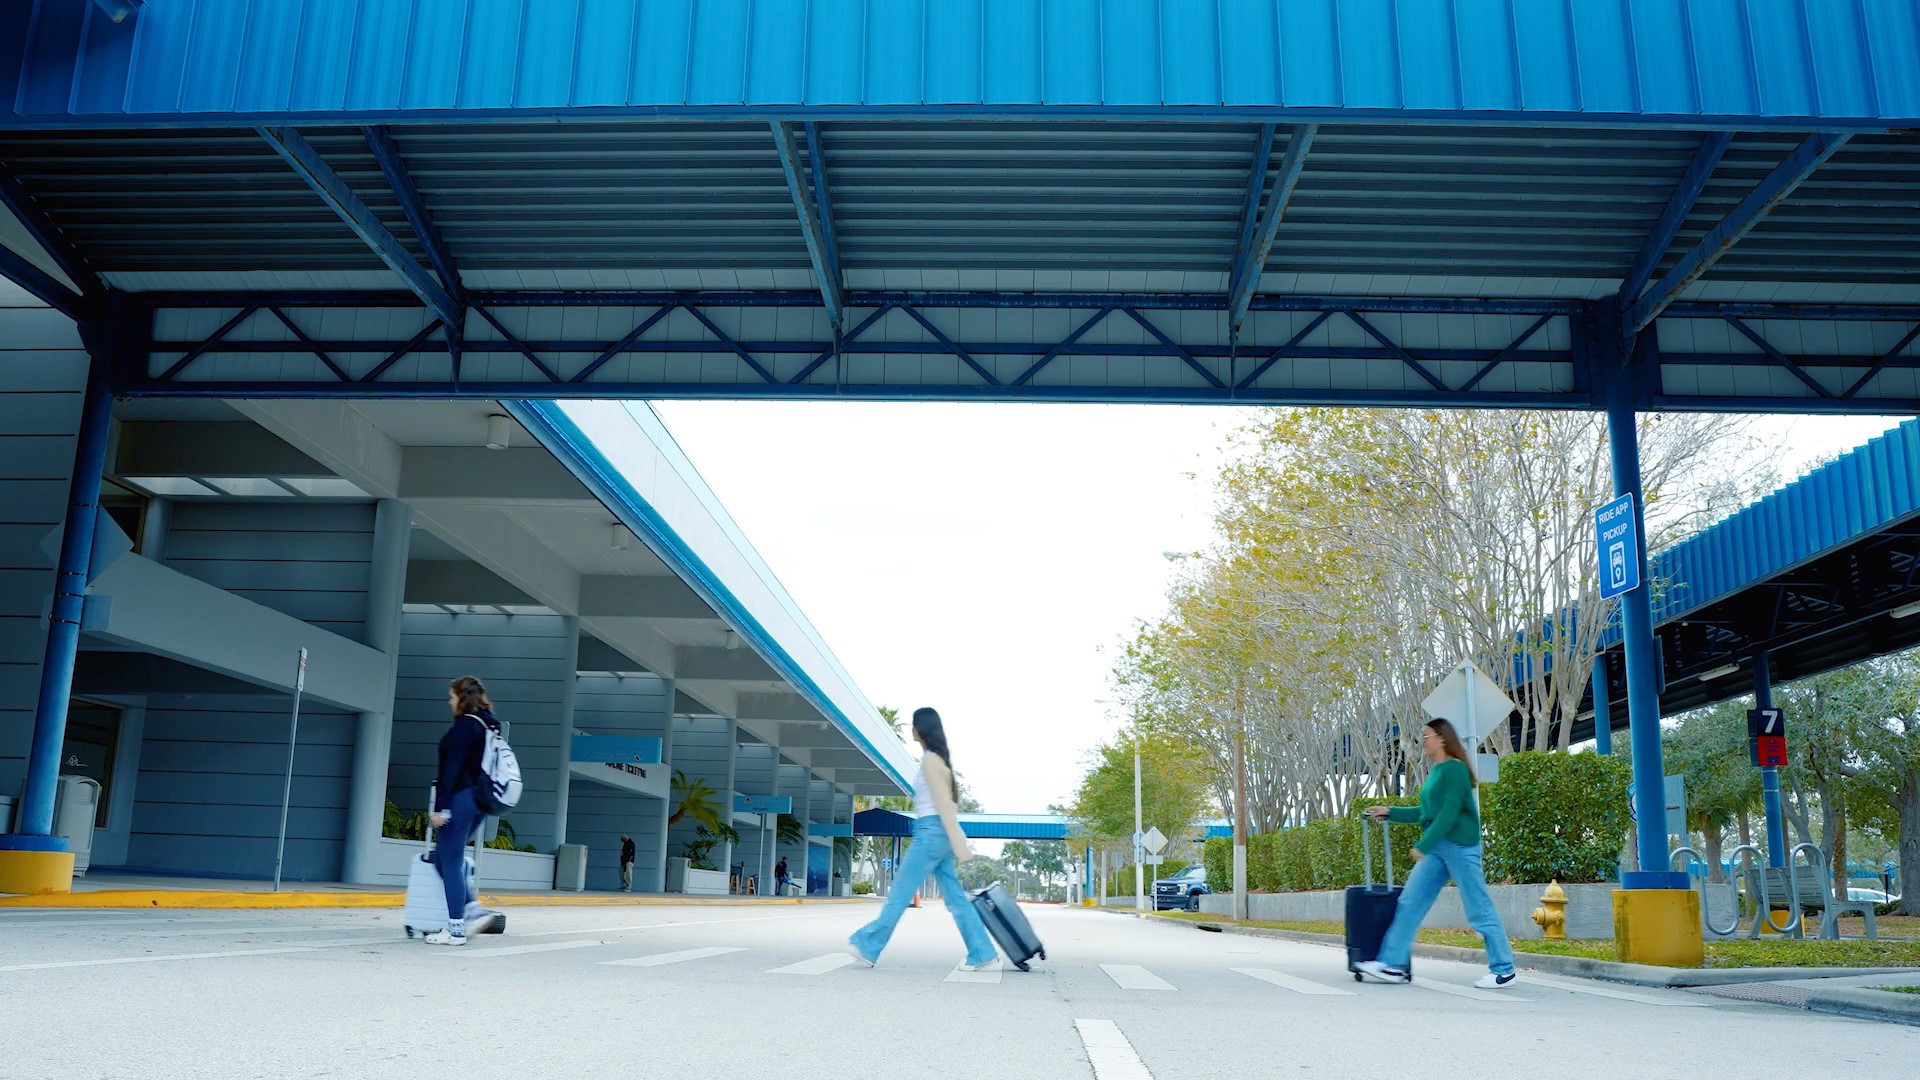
[[1813, 894]]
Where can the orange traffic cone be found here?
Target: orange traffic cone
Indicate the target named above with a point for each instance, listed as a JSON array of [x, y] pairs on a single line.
[[916, 899]]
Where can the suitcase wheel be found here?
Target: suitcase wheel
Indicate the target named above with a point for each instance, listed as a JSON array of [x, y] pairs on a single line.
[[1042, 954], [1358, 978], [1022, 965], [409, 931]]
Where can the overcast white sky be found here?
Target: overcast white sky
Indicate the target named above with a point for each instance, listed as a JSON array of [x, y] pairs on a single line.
[[988, 559]]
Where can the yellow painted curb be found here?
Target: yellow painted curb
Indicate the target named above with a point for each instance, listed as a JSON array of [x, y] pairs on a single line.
[[207, 899]]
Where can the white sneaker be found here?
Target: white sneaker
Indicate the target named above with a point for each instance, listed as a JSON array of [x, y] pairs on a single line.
[[1374, 969], [1490, 981], [479, 920], [858, 956], [986, 965], [445, 937]]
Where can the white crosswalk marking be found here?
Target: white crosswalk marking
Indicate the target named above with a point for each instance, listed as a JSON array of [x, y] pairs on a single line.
[[1297, 985], [960, 974], [1135, 977], [819, 965], [154, 959], [1581, 987], [122, 924], [657, 959], [1467, 992], [520, 950], [1109, 1052], [243, 931]]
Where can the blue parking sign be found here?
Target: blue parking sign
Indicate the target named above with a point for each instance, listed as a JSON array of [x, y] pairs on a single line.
[[1617, 529]]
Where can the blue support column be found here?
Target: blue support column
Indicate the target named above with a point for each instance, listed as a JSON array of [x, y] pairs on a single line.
[[1769, 775], [1602, 707], [69, 602], [1636, 616]]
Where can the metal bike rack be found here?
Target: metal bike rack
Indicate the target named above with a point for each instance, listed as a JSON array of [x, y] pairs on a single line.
[[1733, 887], [1818, 864]]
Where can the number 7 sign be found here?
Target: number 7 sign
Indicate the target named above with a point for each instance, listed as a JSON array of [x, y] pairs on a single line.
[[1764, 722]]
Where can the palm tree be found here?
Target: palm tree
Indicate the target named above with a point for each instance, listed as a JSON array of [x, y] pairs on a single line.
[[697, 800]]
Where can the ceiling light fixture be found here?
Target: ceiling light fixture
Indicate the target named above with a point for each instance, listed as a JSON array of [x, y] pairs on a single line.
[[1724, 669], [499, 432], [622, 539], [1905, 610]]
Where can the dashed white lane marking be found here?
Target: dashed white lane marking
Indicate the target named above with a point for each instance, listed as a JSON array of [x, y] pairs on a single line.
[[1297, 985], [517, 950], [1109, 1052], [1135, 977], [1580, 987], [819, 965], [991, 976], [675, 925], [658, 959], [154, 959], [122, 924], [1467, 992]]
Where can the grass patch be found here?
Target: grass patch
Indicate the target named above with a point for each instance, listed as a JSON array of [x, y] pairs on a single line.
[[1720, 954], [1899, 989]]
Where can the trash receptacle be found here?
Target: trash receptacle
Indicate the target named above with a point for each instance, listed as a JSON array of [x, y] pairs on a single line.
[[76, 801], [570, 867]]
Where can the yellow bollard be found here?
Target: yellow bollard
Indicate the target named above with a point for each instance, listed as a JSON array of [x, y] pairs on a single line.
[[1552, 914]]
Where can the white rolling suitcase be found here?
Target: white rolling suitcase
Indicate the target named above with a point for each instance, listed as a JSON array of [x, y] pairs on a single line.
[[426, 903]]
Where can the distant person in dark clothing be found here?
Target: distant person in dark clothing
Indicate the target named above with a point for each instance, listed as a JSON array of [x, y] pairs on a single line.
[[456, 814], [626, 864], [780, 878]]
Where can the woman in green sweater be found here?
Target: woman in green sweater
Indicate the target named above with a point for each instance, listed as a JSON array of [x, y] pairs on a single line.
[[1449, 847]]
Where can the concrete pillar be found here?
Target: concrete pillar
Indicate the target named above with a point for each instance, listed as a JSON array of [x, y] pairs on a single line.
[[154, 527], [563, 735], [373, 733]]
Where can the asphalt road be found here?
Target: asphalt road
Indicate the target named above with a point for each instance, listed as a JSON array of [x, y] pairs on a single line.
[[700, 992]]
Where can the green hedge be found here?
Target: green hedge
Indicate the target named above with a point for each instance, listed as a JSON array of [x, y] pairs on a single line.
[[1217, 853], [1556, 817], [1263, 866]]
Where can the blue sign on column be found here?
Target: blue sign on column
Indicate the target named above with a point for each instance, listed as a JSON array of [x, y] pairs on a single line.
[[1619, 546]]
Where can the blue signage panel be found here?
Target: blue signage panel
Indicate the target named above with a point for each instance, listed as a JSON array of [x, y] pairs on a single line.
[[763, 804], [617, 749], [829, 828], [1619, 546]]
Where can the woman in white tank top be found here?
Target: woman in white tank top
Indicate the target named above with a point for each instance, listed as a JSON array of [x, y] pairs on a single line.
[[937, 850]]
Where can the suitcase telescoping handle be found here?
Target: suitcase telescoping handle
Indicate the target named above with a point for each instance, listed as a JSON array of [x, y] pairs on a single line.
[[1366, 848]]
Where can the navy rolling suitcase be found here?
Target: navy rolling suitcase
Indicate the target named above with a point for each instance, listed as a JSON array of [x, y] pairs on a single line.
[[1008, 925], [1370, 907]]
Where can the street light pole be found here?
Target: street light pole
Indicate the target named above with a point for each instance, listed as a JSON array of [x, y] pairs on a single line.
[[1239, 808], [1139, 871]]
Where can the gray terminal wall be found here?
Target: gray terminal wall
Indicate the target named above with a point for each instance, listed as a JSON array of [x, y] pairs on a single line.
[[598, 815], [755, 766], [212, 770], [309, 560], [43, 374], [703, 748], [527, 663]]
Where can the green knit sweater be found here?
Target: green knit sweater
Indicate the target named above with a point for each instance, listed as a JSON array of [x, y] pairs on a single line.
[[1446, 810]]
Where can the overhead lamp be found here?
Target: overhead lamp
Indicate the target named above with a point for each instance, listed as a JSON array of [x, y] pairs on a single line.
[[499, 432], [1724, 669], [1905, 610], [622, 539]]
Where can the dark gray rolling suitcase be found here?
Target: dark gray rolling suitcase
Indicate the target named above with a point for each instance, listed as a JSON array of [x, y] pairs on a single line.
[[1370, 907], [1008, 925]]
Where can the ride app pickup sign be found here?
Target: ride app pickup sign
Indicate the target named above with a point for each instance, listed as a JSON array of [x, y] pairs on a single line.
[[1619, 547]]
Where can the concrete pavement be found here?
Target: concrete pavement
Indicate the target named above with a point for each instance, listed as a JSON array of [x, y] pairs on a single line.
[[703, 991]]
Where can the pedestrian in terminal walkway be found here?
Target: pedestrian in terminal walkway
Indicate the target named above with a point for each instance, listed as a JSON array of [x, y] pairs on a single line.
[[456, 813], [938, 848], [1449, 847], [626, 864], [781, 879]]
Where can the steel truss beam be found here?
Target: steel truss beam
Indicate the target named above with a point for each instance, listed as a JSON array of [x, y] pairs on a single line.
[[810, 204], [1258, 242], [1227, 368], [1720, 239]]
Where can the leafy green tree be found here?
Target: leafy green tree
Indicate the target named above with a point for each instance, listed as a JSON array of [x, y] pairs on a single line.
[[1709, 748], [978, 873], [1173, 788]]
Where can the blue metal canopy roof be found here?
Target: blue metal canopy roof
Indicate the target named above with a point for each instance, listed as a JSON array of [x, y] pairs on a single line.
[[978, 826], [1760, 63]]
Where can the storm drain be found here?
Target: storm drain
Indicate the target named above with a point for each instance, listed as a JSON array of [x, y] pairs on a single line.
[[1770, 993]]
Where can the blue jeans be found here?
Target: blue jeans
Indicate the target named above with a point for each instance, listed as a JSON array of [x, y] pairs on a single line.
[[1462, 864], [931, 854], [450, 850]]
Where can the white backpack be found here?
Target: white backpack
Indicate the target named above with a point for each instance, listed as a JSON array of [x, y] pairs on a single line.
[[500, 786]]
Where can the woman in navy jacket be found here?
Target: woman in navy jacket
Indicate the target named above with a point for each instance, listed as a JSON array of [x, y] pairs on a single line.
[[456, 814]]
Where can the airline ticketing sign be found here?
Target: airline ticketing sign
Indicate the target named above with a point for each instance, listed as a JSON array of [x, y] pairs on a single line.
[[1619, 538]]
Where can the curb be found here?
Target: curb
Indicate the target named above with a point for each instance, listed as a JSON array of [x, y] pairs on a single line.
[[235, 901], [1608, 970], [1866, 1004]]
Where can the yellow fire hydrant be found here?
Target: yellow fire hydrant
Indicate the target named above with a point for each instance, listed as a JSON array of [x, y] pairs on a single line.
[[1552, 914]]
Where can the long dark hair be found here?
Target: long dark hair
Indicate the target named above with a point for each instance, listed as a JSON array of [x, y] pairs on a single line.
[[1450, 741], [472, 696], [926, 724]]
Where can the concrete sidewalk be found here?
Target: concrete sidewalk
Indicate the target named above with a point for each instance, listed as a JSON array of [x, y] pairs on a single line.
[[111, 890]]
